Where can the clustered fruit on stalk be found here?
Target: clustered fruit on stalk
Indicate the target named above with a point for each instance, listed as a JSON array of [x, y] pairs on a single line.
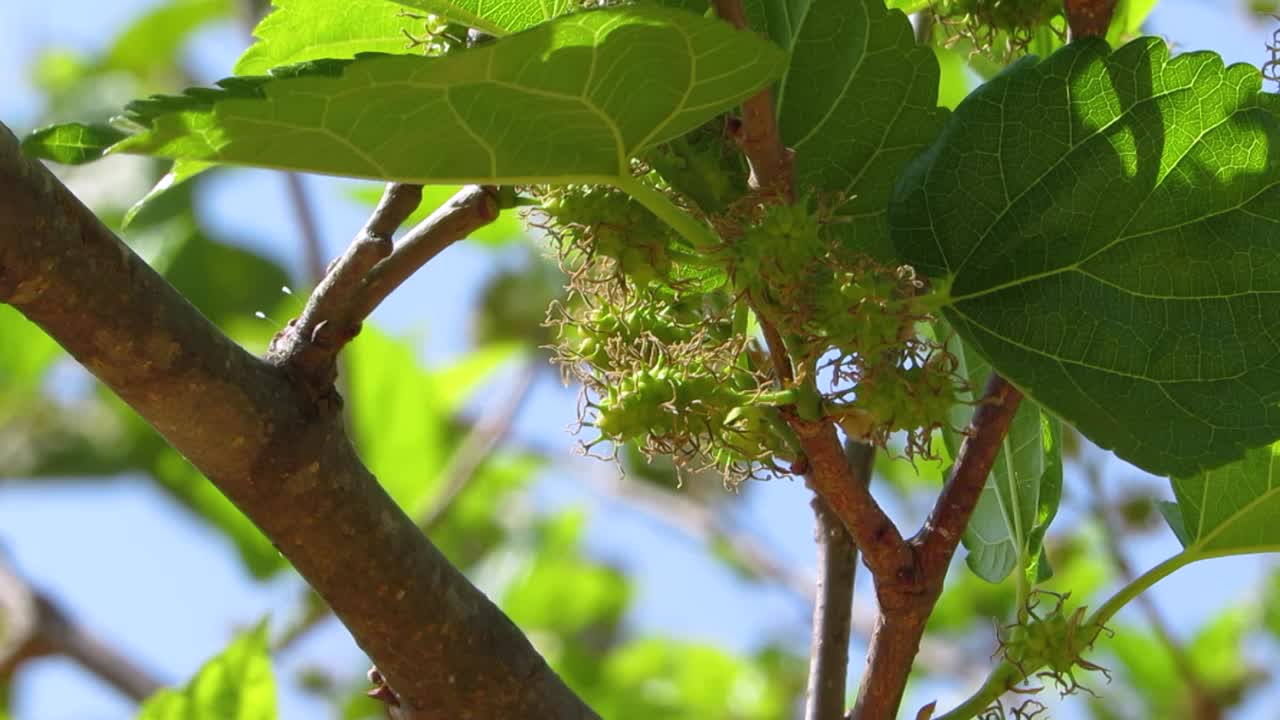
[[666, 338]]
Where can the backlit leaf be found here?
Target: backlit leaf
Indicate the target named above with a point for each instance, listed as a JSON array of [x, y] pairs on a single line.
[[235, 685], [71, 143], [572, 99], [300, 30]]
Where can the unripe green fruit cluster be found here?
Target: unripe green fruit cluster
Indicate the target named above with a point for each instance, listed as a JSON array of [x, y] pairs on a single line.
[[1055, 640], [599, 221], [910, 399], [1011, 16]]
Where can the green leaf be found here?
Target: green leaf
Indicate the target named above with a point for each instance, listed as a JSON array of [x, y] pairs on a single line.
[[26, 353], [235, 685], [402, 413], [1106, 224], [1021, 496], [562, 591], [1231, 510], [496, 17], [656, 678], [301, 30], [182, 171], [858, 101], [71, 143], [154, 39], [570, 100]]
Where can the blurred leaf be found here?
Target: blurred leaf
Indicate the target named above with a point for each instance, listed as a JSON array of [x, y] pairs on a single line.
[[25, 353], [954, 81], [226, 282], [560, 590], [1128, 19], [473, 526], [673, 680], [513, 305], [1217, 650], [235, 685], [179, 173], [71, 143], [1270, 603], [153, 40], [402, 413], [506, 229], [300, 30]]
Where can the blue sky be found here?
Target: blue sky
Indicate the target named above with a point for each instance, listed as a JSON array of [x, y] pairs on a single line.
[[128, 561]]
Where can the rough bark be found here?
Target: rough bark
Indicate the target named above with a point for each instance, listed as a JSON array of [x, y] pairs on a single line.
[[282, 457]]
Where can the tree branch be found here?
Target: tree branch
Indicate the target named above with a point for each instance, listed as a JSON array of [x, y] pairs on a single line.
[[938, 539], [35, 626], [907, 601], [833, 609], [304, 214], [772, 163], [326, 325], [282, 458]]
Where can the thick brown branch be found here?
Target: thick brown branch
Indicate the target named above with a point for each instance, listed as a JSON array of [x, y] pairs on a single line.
[[833, 609], [283, 459], [907, 601], [884, 551]]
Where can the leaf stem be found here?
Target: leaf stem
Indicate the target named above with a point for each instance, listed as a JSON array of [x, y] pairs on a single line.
[[697, 233], [1141, 584]]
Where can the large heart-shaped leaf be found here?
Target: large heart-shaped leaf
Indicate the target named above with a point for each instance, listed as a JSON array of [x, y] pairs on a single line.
[[572, 99], [1021, 496], [858, 101], [1108, 225]]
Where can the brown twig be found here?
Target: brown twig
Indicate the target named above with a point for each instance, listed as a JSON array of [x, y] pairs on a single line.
[[35, 626], [833, 609], [263, 441], [304, 214], [772, 163], [312, 341], [470, 209], [476, 447]]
